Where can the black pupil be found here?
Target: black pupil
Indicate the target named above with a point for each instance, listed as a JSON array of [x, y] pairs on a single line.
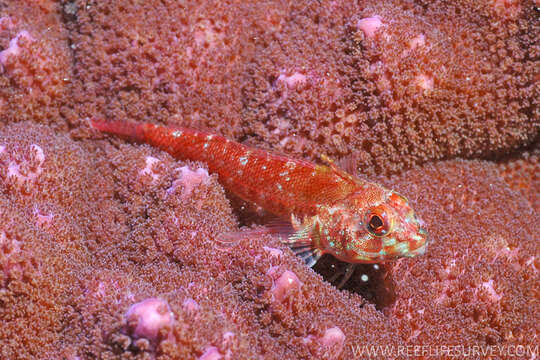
[[375, 222]]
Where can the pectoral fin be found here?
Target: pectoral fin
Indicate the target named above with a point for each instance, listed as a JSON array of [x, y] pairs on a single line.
[[301, 243]]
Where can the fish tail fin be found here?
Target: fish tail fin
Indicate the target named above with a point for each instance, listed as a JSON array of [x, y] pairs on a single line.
[[124, 129]]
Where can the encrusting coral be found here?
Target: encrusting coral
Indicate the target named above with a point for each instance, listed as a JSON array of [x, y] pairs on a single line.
[[522, 173], [429, 81], [107, 249], [116, 237], [35, 62]]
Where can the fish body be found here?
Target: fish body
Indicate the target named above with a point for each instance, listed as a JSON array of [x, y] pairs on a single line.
[[330, 210]]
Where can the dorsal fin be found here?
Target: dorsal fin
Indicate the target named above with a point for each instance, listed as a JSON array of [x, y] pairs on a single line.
[[340, 172]]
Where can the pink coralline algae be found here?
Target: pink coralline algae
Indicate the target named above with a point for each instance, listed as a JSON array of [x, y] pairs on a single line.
[[189, 180], [150, 319], [43, 220], [273, 251], [224, 351], [212, 353], [425, 82], [370, 25], [333, 337], [284, 286], [417, 41], [149, 168], [191, 306], [14, 50], [330, 343], [292, 81]]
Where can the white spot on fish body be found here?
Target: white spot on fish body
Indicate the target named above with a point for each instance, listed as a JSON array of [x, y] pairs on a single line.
[[177, 133], [290, 164], [279, 187], [263, 167], [243, 160], [333, 210], [209, 137]]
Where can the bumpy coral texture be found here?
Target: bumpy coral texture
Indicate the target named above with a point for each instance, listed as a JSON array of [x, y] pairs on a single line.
[[522, 173], [108, 249], [35, 62], [115, 237], [433, 80]]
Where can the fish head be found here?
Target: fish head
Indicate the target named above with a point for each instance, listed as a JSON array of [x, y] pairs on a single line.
[[375, 228]]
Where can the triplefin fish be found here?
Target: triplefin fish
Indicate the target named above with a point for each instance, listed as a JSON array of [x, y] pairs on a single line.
[[330, 210]]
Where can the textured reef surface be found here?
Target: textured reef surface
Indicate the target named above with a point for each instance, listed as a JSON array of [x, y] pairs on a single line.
[[107, 248]]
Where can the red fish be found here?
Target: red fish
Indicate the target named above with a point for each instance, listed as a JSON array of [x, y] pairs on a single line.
[[330, 210]]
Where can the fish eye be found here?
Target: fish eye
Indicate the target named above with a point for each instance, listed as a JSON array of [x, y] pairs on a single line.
[[377, 222]]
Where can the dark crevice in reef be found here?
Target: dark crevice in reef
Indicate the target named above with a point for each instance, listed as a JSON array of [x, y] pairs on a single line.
[[367, 280], [534, 146]]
